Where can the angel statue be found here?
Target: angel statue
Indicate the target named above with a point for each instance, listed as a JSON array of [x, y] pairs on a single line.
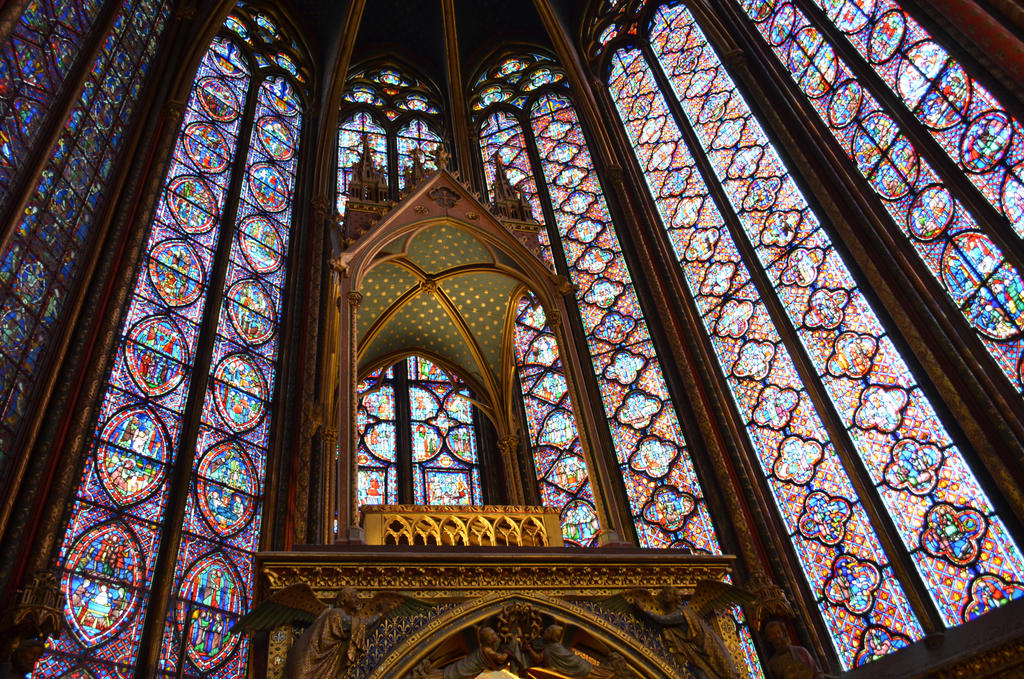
[[687, 627], [335, 636], [549, 652]]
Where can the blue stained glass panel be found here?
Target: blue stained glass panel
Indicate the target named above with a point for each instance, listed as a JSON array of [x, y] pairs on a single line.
[[122, 497], [214, 577], [41, 262]]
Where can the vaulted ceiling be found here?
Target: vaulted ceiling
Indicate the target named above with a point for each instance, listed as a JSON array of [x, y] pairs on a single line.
[[414, 29]]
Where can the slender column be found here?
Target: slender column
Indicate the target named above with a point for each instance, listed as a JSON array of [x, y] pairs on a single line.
[[347, 399], [456, 92], [318, 349], [403, 431]]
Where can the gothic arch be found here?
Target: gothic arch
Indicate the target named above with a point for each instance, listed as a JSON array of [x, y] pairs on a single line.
[[417, 647]]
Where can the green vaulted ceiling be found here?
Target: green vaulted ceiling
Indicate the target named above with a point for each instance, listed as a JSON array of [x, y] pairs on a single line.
[[441, 294]]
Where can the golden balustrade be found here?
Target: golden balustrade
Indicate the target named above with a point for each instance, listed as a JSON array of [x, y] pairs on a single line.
[[480, 526]]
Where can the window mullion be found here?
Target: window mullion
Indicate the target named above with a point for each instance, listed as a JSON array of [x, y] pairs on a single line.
[[63, 103], [403, 432]]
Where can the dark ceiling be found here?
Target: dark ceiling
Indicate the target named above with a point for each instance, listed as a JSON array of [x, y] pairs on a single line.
[[414, 30]]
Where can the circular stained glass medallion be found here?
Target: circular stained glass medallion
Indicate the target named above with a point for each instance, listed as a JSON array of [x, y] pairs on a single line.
[[931, 212], [131, 455], [216, 597], [217, 99], [240, 392], [969, 259], [270, 187], [985, 143], [261, 244], [276, 137], [192, 204], [105, 570], [251, 310], [156, 354], [226, 488], [206, 146], [176, 272]]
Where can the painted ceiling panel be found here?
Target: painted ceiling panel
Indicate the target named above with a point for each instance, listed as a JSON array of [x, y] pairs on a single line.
[[443, 247], [421, 323], [381, 287], [482, 300]]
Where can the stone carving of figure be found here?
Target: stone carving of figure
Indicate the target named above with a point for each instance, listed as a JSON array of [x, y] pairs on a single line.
[[789, 661], [686, 627], [550, 652], [489, 658], [336, 634]]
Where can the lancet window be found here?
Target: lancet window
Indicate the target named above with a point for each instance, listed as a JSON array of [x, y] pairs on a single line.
[[529, 128], [64, 179], [184, 426], [417, 437], [759, 267], [398, 115]]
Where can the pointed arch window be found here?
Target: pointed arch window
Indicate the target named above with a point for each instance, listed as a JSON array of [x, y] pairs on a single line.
[[192, 382], [47, 232], [527, 121], [399, 116], [759, 266], [418, 431]]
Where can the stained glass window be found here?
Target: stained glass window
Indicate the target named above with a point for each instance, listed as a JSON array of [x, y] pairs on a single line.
[[42, 260], [661, 483], [107, 558], [378, 452], [924, 207], [441, 445], [445, 470], [397, 113], [34, 62], [922, 478], [970, 125], [554, 440], [412, 138]]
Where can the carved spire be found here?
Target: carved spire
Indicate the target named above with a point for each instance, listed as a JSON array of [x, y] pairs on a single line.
[[509, 202], [414, 173], [511, 206], [366, 184], [367, 197]]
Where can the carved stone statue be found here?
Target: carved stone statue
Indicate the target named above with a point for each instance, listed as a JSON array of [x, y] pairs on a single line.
[[789, 661], [488, 656], [686, 627], [336, 634], [549, 651]]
